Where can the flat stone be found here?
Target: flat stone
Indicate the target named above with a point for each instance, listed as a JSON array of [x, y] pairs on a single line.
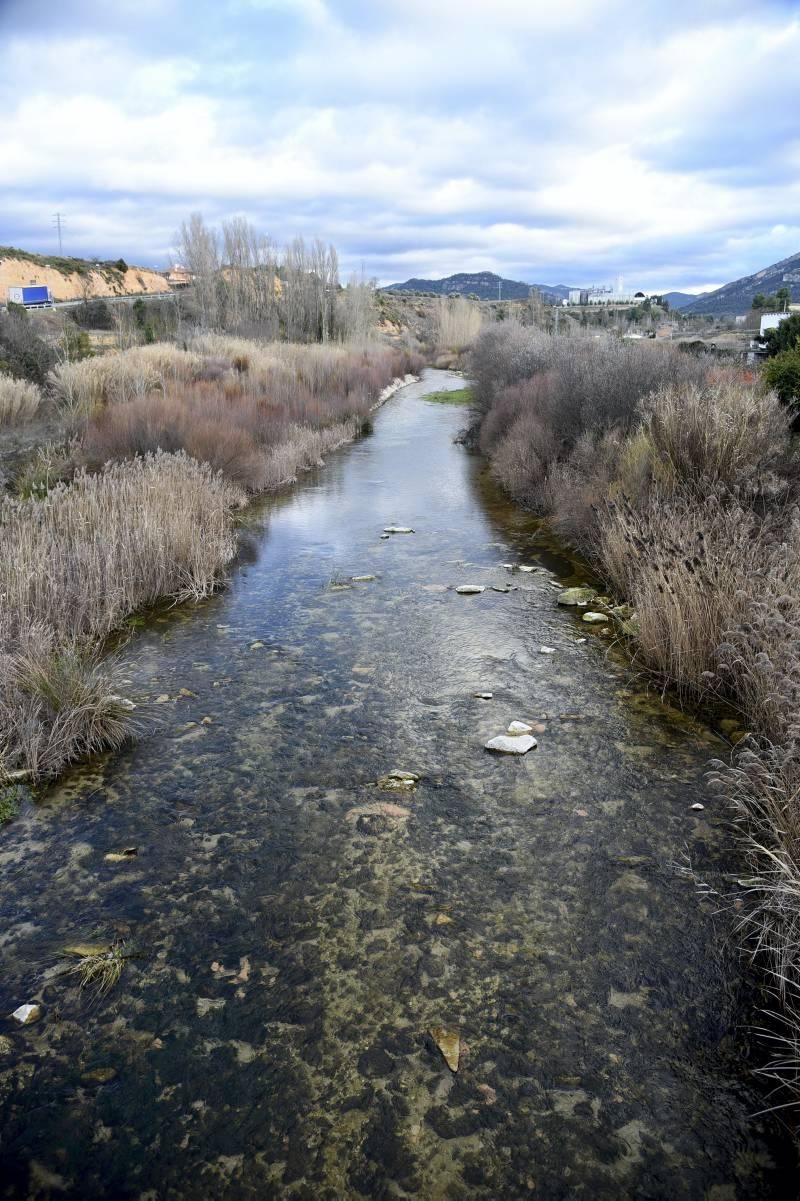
[[122, 702], [698, 806], [448, 1041], [576, 596], [99, 1075], [547, 650], [508, 566], [121, 856], [483, 696], [500, 588], [470, 589], [525, 567], [361, 579], [162, 699], [594, 618], [511, 744], [398, 781], [26, 1014], [397, 529], [385, 536], [520, 727]]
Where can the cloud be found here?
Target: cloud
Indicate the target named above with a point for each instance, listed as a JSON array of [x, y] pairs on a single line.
[[555, 143]]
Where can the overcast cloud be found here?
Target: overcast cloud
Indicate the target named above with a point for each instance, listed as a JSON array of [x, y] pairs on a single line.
[[559, 142]]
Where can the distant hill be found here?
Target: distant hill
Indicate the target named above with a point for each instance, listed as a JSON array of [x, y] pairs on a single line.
[[737, 297], [483, 284], [74, 279], [681, 300]]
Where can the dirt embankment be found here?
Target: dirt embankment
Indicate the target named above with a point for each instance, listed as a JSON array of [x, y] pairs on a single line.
[[78, 285]]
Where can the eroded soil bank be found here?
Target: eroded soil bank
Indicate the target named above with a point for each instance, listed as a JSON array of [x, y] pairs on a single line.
[[297, 932]]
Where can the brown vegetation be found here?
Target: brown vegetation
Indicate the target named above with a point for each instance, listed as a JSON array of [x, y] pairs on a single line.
[[19, 400], [167, 443], [72, 566], [680, 483]]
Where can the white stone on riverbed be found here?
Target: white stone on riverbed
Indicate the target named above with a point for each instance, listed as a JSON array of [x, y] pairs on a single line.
[[594, 618], [470, 589], [698, 806], [508, 744], [524, 567], [483, 696], [547, 650], [25, 1014], [397, 529], [520, 727]]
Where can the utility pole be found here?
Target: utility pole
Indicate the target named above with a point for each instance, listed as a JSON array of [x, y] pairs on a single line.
[[57, 221], [499, 289]]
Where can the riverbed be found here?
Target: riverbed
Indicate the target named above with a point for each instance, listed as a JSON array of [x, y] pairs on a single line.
[[294, 932]]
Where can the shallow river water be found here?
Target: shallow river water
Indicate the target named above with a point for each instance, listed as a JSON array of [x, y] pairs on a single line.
[[296, 933]]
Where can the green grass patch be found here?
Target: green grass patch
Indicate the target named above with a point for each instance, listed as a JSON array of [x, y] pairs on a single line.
[[9, 803], [458, 396]]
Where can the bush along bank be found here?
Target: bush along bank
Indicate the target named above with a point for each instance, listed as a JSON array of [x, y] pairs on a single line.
[[167, 444], [679, 482]]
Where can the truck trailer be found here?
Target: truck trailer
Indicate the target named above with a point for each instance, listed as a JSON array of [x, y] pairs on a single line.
[[35, 296]]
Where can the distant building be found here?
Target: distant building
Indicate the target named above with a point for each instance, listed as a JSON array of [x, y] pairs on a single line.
[[179, 277], [771, 321]]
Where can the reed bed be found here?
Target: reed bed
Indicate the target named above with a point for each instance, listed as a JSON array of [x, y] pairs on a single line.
[[679, 480]]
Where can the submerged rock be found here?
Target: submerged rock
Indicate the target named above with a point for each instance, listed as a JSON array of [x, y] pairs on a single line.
[[448, 1041], [470, 589], [511, 744], [595, 618], [26, 1014], [121, 856], [99, 1075], [398, 781], [397, 529], [576, 596], [122, 702]]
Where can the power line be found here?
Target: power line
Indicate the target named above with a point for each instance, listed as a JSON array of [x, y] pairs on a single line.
[[58, 221]]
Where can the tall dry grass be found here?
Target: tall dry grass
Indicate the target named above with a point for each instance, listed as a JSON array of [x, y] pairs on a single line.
[[457, 322], [72, 566], [681, 484], [19, 400]]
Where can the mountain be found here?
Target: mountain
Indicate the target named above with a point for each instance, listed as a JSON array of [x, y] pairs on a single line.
[[680, 300], [737, 297], [483, 284]]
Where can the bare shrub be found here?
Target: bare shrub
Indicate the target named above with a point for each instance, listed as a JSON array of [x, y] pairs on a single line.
[[506, 354], [19, 400]]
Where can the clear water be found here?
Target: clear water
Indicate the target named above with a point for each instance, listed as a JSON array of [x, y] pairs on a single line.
[[297, 932]]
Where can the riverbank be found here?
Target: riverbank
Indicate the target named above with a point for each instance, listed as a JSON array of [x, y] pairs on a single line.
[[678, 481], [190, 434], [296, 932]]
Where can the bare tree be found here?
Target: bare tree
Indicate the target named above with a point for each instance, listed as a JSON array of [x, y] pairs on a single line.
[[199, 250]]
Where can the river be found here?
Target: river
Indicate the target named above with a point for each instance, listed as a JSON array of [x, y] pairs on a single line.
[[295, 933]]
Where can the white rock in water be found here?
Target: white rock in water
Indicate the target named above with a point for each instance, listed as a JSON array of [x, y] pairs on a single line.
[[508, 744], [508, 566], [483, 696], [576, 596], [361, 579], [121, 702], [594, 618], [26, 1014], [519, 727], [547, 650], [698, 806], [470, 589], [523, 567], [383, 536], [397, 529]]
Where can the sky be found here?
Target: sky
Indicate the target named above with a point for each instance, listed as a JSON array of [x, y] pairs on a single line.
[[571, 141]]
